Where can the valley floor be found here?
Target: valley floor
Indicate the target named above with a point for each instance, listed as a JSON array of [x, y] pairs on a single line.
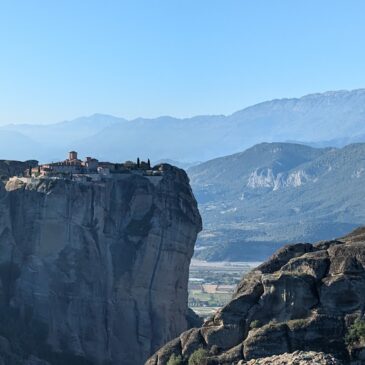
[[211, 284]]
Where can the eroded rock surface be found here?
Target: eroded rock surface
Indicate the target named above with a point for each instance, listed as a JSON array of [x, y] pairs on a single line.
[[94, 273], [297, 358], [303, 298]]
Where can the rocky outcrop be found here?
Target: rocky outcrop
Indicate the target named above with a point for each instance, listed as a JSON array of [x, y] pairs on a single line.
[[297, 358], [94, 272], [12, 168], [305, 297], [268, 178]]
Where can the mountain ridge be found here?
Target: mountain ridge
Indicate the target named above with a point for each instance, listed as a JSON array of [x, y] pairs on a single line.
[[336, 116], [106, 115], [277, 192]]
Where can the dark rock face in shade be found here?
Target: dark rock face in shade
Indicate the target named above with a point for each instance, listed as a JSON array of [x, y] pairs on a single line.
[[96, 272], [304, 298], [11, 168]]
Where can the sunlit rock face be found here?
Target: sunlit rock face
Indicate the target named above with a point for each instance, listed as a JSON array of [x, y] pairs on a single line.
[[296, 358], [266, 178], [304, 298], [95, 273]]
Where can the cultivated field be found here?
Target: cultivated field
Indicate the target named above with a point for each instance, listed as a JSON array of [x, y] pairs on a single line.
[[211, 284]]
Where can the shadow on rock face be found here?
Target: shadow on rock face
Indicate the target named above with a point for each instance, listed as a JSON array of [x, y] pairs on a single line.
[[304, 298]]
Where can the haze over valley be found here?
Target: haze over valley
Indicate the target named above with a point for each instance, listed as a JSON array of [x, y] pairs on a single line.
[[254, 196]]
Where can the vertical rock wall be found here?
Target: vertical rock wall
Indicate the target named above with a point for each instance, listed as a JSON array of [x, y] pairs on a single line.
[[96, 273]]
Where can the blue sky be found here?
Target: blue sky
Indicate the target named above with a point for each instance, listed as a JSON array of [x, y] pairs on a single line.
[[64, 59]]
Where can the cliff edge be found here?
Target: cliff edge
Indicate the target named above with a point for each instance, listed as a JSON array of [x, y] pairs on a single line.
[[94, 272], [304, 298]]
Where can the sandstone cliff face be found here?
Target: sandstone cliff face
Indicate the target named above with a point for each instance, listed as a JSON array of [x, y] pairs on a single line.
[[304, 298], [94, 273]]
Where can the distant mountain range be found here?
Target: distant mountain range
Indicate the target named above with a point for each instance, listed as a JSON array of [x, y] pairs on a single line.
[[328, 119], [275, 193]]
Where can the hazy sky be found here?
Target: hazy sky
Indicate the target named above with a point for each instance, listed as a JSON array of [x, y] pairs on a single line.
[[64, 59]]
